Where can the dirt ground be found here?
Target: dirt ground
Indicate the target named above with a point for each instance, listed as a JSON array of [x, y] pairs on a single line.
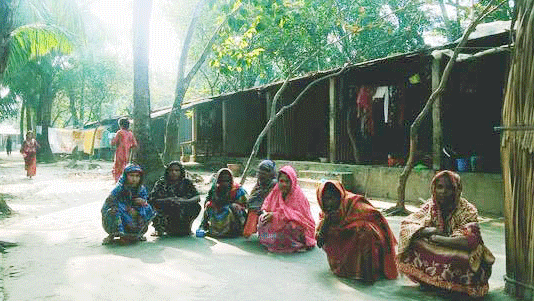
[[59, 254]]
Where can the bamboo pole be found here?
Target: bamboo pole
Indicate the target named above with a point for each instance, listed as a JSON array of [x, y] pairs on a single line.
[[517, 153]]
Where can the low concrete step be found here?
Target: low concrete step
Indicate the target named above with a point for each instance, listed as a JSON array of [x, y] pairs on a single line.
[[345, 177], [306, 183]]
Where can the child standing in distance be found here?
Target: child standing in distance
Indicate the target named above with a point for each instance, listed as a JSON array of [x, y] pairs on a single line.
[[124, 140]]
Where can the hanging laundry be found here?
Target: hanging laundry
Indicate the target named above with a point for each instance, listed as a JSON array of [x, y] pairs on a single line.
[[365, 111], [382, 92]]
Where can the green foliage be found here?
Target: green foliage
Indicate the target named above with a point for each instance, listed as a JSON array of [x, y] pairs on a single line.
[[30, 42], [266, 39]]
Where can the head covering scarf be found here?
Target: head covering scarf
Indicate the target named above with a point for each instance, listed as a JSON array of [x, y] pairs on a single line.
[[356, 211], [455, 181], [295, 207], [121, 187], [430, 215], [215, 195], [164, 188], [175, 163], [262, 189]]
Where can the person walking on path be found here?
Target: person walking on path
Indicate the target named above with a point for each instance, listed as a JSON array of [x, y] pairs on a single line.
[[124, 140], [9, 145], [29, 152]]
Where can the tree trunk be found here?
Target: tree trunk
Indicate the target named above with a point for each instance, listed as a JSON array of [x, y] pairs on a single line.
[[6, 26], [276, 115], [21, 121], [45, 116], [172, 130], [72, 108], [147, 155]]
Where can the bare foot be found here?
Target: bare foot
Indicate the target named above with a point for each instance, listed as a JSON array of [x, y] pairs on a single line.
[[397, 211], [108, 240]]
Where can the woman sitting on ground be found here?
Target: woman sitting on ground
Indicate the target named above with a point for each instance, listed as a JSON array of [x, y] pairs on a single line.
[[286, 224], [175, 199], [266, 179], [224, 209], [355, 236], [126, 213], [441, 245]]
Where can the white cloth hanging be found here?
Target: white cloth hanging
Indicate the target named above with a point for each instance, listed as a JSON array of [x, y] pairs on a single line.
[[383, 92]]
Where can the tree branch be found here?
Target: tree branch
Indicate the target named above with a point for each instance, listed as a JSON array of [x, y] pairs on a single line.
[[399, 208]]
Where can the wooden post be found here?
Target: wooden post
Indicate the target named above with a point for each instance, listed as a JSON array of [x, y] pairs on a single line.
[[437, 131], [269, 132], [332, 120], [224, 105], [194, 135]]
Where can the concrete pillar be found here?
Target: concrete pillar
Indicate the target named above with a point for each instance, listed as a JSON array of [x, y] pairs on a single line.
[[332, 120], [437, 131]]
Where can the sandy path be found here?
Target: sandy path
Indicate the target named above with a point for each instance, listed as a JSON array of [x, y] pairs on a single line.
[[60, 255]]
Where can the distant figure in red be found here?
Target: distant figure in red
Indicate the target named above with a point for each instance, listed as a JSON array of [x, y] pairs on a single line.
[[125, 141], [29, 152]]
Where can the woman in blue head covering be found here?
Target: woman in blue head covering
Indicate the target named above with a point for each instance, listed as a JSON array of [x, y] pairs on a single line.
[[126, 213]]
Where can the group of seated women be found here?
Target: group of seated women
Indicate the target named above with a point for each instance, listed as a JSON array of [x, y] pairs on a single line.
[[439, 246]]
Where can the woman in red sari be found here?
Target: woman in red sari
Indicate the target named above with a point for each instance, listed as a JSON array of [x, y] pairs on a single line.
[[124, 140], [29, 152], [441, 246], [286, 224], [355, 236]]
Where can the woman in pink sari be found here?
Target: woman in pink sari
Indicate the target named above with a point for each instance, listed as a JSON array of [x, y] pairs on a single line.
[[124, 140], [286, 224], [29, 152]]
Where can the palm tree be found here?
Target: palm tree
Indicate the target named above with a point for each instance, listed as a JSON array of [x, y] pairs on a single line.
[[29, 45]]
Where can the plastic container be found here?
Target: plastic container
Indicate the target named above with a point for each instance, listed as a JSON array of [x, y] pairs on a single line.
[[200, 233], [462, 164]]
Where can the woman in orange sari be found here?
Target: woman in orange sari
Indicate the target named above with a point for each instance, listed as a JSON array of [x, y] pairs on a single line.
[[355, 236], [124, 140], [441, 246], [29, 152]]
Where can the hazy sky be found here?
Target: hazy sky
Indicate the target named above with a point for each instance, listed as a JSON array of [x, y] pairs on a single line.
[[164, 42]]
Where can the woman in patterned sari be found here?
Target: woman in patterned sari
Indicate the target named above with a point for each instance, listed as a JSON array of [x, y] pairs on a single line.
[[29, 152], [224, 209], [176, 200], [286, 224], [441, 245], [126, 213], [355, 236]]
